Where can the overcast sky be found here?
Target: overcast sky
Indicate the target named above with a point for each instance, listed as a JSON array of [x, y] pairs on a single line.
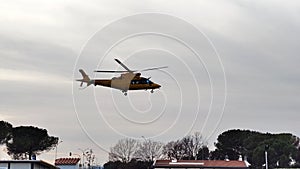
[[241, 54]]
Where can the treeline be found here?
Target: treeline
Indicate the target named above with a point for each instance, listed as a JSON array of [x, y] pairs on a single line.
[[24, 141], [189, 147], [283, 150]]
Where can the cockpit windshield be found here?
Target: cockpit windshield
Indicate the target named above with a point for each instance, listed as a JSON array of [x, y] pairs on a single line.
[[142, 81]]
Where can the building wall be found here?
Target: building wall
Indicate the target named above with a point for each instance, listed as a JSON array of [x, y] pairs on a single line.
[[68, 166], [181, 168], [37, 166], [3, 165], [20, 166], [15, 166]]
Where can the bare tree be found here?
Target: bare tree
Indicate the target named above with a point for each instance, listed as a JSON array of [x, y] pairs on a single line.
[[173, 149], [186, 148], [124, 150], [187, 144], [191, 144], [148, 150], [90, 157]]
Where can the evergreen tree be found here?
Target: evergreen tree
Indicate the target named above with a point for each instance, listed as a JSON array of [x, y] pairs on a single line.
[[282, 147], [28, 140], [5, 132]]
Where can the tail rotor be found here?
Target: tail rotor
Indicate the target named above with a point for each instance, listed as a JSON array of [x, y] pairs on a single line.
[[85, 79]]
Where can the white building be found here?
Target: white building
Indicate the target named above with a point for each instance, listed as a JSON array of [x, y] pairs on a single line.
[[25, 164]]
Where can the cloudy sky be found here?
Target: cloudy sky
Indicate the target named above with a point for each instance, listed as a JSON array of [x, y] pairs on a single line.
[[231, 64]]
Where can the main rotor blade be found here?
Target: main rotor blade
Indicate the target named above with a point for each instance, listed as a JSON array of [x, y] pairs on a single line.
[[154, 68], [125, 67], [111, 71]]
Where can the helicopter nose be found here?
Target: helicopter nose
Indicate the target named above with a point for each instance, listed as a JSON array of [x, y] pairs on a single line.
[[158, 86]]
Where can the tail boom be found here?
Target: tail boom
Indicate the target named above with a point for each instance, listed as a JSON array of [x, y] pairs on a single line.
[[85, 78]]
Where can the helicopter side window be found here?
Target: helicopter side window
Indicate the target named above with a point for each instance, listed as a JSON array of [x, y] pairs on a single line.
[[144, 81]]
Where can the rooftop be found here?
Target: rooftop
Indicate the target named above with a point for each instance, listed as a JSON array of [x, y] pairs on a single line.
[[200, 164], [67, 161]]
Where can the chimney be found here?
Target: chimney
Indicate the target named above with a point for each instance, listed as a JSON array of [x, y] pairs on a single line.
[[240, 158], [246, 162], [226, 158]]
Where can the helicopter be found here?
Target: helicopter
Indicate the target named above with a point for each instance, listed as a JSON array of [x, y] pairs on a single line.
[[129, 79]]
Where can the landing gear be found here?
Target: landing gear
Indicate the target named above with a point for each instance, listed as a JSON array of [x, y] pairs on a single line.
[[152, 91], [125, 93]]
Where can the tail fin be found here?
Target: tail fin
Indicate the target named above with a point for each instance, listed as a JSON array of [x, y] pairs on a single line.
[[85, 78]]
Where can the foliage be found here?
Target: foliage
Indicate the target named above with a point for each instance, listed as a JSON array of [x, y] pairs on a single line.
[[282, 147], [203, 153], [5, 132], [29, 140], [230, 143]]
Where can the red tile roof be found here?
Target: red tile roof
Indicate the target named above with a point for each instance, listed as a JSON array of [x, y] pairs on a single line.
[[67, 161], [200, 164]]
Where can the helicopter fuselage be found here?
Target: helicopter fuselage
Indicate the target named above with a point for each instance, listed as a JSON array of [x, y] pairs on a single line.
[[125, 83]]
